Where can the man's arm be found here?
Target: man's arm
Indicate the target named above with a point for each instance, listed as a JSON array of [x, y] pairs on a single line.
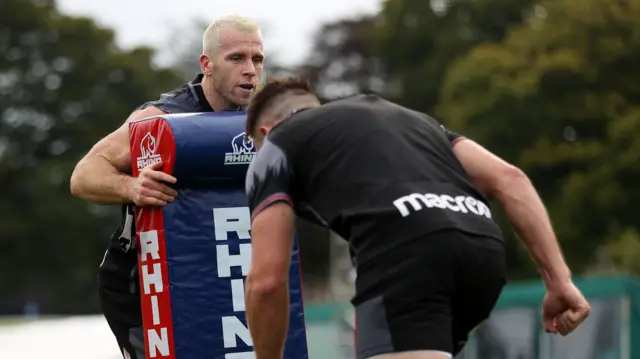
[[509, 186], [268, 187], [267, 301], [99, 177]]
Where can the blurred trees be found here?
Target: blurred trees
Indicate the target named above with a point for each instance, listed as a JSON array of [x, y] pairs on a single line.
[[547, 85], [551, 86], [63, 85], [343, 59], [417, 40], [559, 97]]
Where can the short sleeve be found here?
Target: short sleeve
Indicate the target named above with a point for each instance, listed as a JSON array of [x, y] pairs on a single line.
[[269, 178], [452, 136]]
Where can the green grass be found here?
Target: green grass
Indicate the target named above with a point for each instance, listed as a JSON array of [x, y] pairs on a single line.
[[17, 320], [6, 321]]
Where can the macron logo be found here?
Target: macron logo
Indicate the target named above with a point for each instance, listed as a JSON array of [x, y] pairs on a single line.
[[418, 201]]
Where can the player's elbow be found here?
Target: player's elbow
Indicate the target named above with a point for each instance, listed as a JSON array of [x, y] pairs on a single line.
[[509, 181], [81, 178], [75, 182]]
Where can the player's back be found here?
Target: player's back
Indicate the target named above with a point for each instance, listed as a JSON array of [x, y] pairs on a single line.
[[379, 174]]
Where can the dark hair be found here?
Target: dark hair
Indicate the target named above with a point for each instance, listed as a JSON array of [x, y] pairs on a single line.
[[272, 88]]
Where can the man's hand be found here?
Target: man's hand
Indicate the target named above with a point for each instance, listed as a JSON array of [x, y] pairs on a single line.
[[564, 308], [149, 188], [102, 175]]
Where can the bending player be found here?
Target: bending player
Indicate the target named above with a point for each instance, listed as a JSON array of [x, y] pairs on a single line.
[[412, 200], [231, 65]]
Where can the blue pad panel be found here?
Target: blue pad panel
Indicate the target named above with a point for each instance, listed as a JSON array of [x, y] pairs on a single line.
[[194, 254]]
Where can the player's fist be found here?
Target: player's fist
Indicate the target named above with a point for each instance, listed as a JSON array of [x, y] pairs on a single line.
[[150, 187], [564, 308]]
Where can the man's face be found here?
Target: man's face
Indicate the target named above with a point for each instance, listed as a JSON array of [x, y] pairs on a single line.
[[237, 66]]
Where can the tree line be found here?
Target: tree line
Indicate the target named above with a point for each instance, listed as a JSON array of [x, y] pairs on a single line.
[[551, 86]]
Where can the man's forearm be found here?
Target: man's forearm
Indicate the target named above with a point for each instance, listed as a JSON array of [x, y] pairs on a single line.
[[531, 222], [268, 318], [96, 180]]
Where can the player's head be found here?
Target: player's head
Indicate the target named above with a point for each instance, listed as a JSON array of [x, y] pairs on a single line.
[[277, 100], [231, 60]]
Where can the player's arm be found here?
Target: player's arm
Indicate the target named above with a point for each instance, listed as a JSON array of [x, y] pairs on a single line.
[[272, 231], [511, 187], [98, 177], [267, 283]]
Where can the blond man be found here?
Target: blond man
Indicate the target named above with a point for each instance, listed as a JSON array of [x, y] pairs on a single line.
[[231, 66]]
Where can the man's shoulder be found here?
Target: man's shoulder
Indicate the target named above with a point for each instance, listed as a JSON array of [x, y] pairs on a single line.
[[298, 122], [361, 99], [176, 100], [360, 105], [324, 116], [179, 100], [343, 115], [332, 109]]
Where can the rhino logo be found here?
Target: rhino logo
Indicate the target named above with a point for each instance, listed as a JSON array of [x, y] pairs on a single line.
[[243, 151], [242, 144], [148, 145]]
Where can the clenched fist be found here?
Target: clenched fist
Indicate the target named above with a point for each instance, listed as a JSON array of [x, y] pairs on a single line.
[[564, 308]]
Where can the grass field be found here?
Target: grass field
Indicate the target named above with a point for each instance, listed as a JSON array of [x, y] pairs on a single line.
[[6, 321], [16, 320]]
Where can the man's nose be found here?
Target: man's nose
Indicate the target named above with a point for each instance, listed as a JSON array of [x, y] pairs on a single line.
[[249, 69]]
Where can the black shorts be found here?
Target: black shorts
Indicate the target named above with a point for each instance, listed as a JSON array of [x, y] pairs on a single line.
[[123, 313], [439, 289]]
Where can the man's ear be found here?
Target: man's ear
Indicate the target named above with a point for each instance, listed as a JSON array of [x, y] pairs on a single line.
[[206, 65], [264, 130]]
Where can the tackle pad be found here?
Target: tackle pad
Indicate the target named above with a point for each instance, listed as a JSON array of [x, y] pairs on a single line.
[[194, 254]]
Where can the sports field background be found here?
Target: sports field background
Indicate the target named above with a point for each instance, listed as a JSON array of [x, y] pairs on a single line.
[[512, 332], [549, 85]]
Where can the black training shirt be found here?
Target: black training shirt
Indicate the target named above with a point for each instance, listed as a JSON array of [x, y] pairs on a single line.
[[378, 174]]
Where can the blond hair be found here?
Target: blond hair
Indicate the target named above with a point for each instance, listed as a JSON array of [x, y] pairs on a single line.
[[210, 38]]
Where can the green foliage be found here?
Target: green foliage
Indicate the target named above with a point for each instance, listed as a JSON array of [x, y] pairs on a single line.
[[559, 98], [625, 250], [552, 86], [63, 84], [343, 61], [417, 41]]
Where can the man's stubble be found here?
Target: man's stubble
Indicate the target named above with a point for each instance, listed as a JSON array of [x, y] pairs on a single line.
[[219, 79]]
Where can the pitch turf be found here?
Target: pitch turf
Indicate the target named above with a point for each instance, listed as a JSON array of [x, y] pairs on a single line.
[[11, 321]]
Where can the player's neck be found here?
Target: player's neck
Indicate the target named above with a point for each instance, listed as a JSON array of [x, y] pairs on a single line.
[[288, 106]]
